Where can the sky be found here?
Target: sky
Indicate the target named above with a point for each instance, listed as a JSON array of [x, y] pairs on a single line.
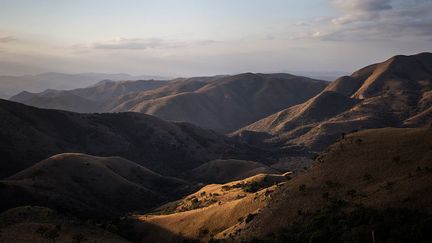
[[206, 37]]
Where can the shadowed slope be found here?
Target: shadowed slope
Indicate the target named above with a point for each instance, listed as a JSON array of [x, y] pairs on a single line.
[[377, 169], [33, 225], [223, 171], [29, 135], [89, 186]]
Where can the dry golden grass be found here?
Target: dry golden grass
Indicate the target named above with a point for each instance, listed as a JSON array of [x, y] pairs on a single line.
[[379, 168], [220, 211]]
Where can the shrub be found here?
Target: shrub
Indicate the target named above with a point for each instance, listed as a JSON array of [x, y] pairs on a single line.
[[249, 217], [226, 188], [251, 187], [390, 225], [302, 188]]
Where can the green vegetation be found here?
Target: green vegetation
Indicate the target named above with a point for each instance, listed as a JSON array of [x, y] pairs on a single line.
[[251, 187], [361, 225]]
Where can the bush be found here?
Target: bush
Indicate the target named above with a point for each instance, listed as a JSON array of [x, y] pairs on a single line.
[[250, 217], [251, 187], [390, 225], [302, 188]]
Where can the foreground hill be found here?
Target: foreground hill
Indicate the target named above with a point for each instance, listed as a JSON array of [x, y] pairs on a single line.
[[224, 103], [28, 135], [215, 211], [394, 93], [38, 224], [380, 173], [375, 182], [90, 99], [90, 186]]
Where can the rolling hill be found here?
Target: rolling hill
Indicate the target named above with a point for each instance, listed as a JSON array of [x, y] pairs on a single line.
[[29, 135], [12, 85], [379, 173], [394, 93], [223, 103], [89, 99], [374, 182], [89, 186], [33, 224], [215, 211], [223, 171]]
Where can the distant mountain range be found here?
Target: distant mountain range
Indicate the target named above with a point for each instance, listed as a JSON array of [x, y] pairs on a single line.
[[12, 85], [396, 93], [222, 103]]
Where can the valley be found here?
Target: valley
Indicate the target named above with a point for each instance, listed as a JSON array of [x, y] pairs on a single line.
[[229, 158]]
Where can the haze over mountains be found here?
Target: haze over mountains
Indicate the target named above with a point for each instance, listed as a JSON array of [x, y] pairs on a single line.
[[222, 103], [294, 159], [12, 85], [90, 99]]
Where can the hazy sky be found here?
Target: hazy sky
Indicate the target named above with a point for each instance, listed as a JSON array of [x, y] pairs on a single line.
[[203, 37]]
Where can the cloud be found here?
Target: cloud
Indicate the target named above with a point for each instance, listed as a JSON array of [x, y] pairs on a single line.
[[360, 10], [6, 39], [302, 23], [141, 44], [379, 19], [129, 44], [363, 5]]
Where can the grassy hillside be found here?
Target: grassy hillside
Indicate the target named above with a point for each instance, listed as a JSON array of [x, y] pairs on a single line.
[[29, 135], [89, 186], [374, 180], [369, 173], [215, 211], [38, 224], [394, 93], [224, 103]]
